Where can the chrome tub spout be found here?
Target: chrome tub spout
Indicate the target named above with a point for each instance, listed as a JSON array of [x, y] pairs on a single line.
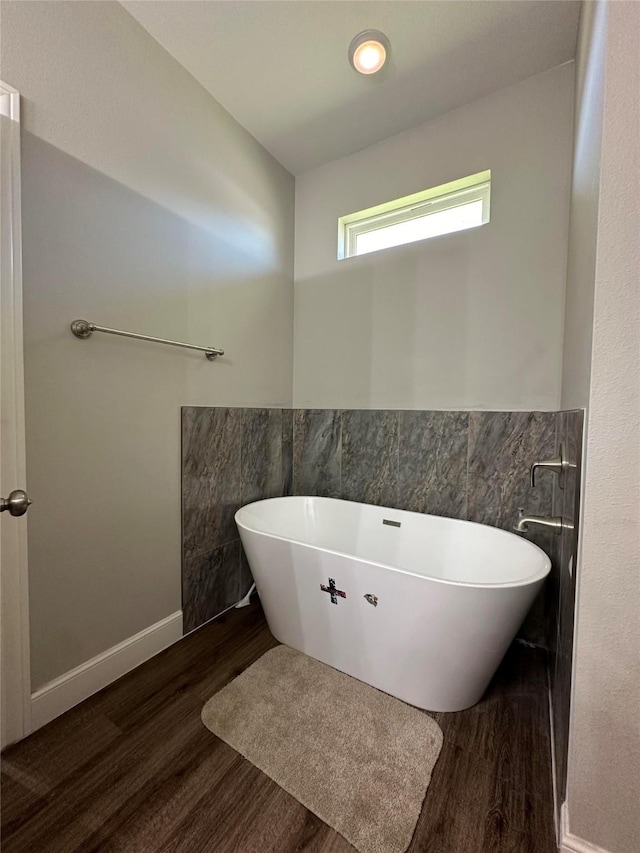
[[555, 523]]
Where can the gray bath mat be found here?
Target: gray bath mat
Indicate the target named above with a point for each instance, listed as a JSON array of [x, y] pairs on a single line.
[[357, 758]]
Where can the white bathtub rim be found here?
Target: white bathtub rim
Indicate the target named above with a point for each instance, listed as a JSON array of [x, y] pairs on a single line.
[[537, 577]]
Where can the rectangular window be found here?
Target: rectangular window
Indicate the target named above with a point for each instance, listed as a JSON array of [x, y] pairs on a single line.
[[440, 210]]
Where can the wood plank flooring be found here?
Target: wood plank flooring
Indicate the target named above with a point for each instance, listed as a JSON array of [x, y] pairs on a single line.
[[133, 769]]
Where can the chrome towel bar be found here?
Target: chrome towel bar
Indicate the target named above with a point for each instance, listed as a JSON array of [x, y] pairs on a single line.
[[84, 329]]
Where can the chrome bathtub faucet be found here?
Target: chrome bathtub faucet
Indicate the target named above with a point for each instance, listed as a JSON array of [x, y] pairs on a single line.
[[554, 522]]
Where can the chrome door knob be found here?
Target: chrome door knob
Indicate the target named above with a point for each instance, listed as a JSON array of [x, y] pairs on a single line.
[[16, 504]]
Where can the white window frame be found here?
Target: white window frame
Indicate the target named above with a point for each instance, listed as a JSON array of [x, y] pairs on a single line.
[[444, 197]]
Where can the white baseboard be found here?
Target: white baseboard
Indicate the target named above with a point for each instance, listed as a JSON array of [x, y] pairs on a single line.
[[61, 694], [572, 843]]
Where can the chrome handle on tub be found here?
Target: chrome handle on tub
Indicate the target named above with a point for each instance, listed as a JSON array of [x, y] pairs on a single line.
[[555, 523], [559, 465]]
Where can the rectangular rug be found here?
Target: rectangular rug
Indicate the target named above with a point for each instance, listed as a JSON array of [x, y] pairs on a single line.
[[357, 758]]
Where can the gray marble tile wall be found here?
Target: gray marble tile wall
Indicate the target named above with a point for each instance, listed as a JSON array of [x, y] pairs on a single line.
[[566, 503], [472, 465], [230, 457]]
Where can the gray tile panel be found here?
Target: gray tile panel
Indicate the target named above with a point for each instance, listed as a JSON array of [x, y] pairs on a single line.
[[317, 448], [287, 452], [211, 479], [210, 584], [432, 474], [261, 450], [502, 447], [370, 456]]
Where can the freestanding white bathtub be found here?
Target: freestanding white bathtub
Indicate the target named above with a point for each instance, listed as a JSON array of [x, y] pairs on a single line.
[[419, 606]]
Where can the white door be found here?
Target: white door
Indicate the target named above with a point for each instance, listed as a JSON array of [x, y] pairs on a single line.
[[15, 688]]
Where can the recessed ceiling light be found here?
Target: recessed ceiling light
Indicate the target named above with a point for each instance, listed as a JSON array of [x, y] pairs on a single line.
[[368, 51]]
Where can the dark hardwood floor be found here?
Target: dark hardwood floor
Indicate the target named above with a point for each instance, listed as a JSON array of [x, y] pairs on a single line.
[[134, 770]]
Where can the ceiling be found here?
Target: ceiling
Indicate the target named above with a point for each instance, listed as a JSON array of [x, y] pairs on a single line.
[[280, 67]]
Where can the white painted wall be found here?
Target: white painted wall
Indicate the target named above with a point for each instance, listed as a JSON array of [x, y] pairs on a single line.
[[583, 221], [470, 320], [145, 207], [604, 759]]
